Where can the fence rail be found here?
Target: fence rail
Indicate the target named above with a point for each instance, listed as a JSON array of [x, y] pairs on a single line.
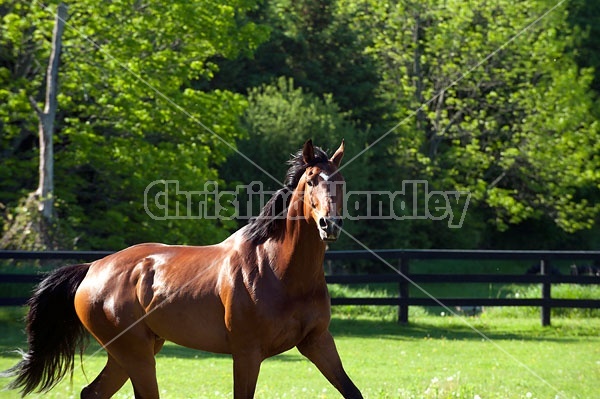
[[403, 277]]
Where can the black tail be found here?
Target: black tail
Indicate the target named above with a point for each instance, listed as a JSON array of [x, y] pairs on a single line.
[[54, 332]]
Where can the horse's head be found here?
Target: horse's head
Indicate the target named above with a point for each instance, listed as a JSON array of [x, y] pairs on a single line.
[[323, 188]]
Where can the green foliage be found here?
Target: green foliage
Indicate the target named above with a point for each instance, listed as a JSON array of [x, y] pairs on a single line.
[[469, 96], [129, 113], [312, 43], [516, 131], [23, 49], [279, 119]]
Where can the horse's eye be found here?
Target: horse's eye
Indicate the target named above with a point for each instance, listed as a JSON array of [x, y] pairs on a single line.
[[310, 182]]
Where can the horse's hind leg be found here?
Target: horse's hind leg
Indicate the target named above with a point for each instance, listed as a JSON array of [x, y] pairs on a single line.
[[136, 357], [141, 370], [108, 382], [130, 355], [111, 378]]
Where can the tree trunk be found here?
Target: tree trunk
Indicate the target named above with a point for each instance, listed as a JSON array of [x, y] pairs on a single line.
[[33, 226], [417, 70], [45, 189]]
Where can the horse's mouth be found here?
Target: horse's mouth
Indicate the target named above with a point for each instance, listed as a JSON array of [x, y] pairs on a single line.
[[330, 228], [330, 236]]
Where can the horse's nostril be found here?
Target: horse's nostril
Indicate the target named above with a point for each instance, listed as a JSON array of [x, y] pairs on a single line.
[[323, 223]]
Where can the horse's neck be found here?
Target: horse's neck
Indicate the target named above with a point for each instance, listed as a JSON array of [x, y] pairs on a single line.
[[300, 257]]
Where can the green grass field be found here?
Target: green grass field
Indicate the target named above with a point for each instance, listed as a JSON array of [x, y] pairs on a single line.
[[487, 357]]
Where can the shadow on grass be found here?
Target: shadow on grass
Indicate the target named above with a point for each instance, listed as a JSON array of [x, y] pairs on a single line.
[[176, 351], [12, 335], [454, 329]]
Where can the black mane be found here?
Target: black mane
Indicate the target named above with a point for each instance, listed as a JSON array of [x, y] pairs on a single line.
[[270, 222]]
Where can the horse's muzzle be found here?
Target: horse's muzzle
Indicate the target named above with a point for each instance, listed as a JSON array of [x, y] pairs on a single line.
[[330, 227]]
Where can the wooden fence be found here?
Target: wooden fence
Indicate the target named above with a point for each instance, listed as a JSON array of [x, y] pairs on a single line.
[[399, 264]]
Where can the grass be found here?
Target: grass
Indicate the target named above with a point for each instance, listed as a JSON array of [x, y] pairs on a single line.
[[563, 291], [489, 357], [503, 353]]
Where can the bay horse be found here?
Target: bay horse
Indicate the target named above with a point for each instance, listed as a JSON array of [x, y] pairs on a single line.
[[258, 293]]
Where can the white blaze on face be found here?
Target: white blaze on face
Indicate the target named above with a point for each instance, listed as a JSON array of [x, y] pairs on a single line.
[[331, 193]]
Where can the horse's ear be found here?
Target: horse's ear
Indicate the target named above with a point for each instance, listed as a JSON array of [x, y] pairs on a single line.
[[336, 159], [308, 152]]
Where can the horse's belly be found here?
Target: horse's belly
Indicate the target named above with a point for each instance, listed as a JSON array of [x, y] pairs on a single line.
[[197, 325]]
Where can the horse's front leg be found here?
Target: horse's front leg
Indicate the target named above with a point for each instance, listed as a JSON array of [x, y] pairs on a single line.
[[320, 349], [246, 366]]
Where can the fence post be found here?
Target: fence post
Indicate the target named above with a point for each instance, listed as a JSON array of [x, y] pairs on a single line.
[[546, 292], [403, 291]]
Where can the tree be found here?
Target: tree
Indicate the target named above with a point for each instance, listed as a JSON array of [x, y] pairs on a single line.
[[37, 221], [517, 131], [311, 42], [129, 113], [583, 17], [46, 118]]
